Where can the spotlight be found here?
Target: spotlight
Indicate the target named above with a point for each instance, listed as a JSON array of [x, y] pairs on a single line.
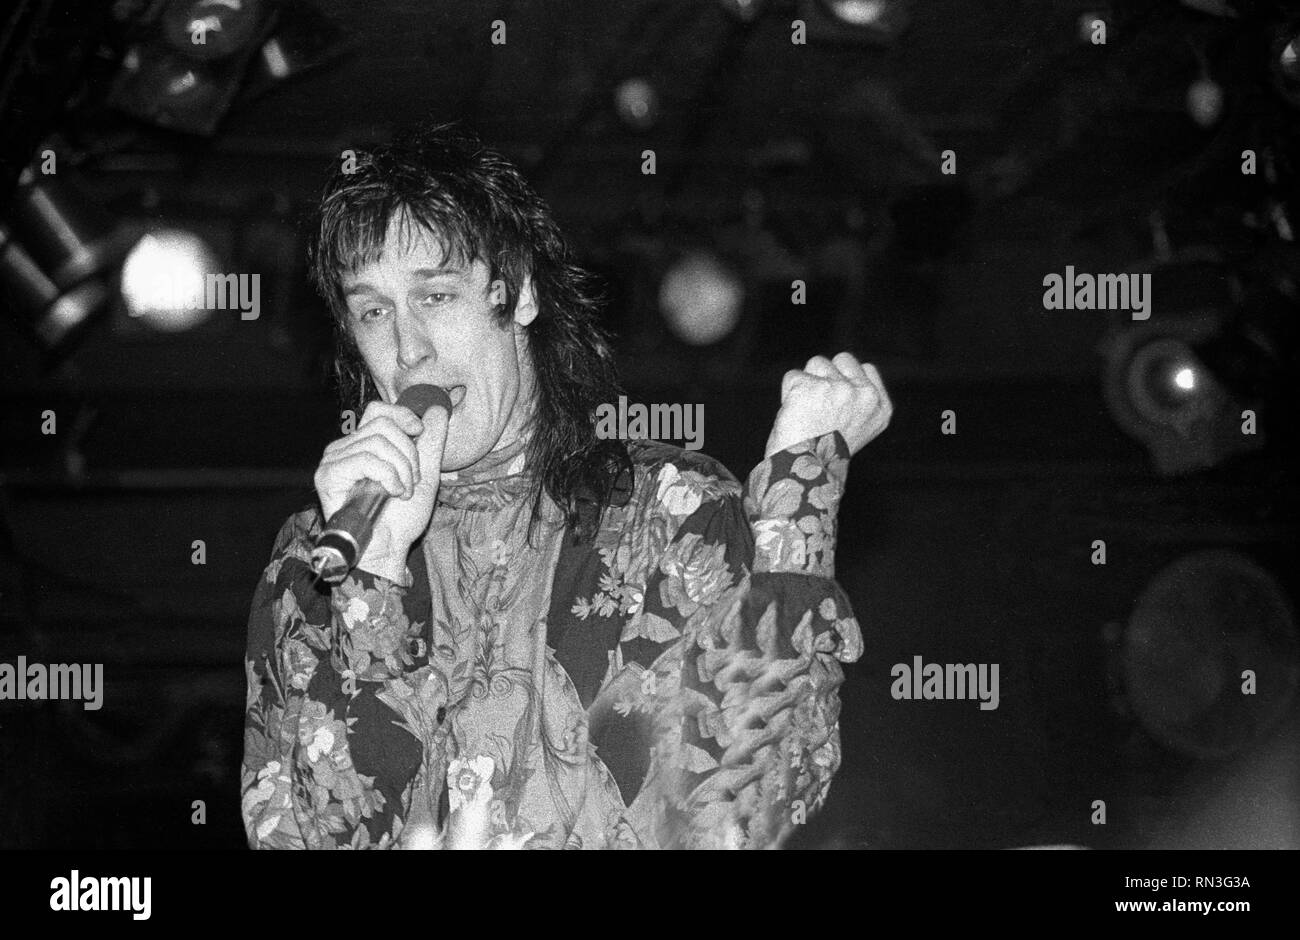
[[701, 298], [1205, 101], [69, 236], [1161, 375], [56, 250], [637, 103], [1087, 24], [52, 315], [744, 10], [164, 280], [1160, 392], [857, 12], [211, 29], [855, 21], [188, 61]]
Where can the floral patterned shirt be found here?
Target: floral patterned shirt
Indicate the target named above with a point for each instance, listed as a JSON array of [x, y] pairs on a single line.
[[669, 684]]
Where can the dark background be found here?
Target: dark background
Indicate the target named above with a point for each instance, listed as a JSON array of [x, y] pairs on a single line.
[[818, 162]]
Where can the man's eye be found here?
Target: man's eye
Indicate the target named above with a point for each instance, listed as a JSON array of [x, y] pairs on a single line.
[[366, 314], [438, 298]]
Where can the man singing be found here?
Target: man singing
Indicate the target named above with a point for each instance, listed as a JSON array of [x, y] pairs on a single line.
[[552, 640]]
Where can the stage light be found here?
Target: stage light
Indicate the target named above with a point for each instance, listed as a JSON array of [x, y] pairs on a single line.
[[884, 18], [56, 252], [1197, 628], [1160, 374], [744, 10], [637, 103], [1205, 102], [188, 60], [1087, 25], [52, 315], [212, 29], [858, 12], [1160, 392], [176, 89], [701, 299], [854, 21], [164, 280], [1285, 62], [68, 235]]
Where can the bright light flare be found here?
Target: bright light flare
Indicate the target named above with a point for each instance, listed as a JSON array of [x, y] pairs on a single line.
[[164, 280], [701, 299]]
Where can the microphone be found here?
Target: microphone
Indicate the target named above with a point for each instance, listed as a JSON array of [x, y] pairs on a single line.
[[348, 532]]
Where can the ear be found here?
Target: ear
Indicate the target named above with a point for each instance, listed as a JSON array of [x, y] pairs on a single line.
[[526, 307]]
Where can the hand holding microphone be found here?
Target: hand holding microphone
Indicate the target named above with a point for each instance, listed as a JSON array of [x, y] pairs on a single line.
[[377, 485]]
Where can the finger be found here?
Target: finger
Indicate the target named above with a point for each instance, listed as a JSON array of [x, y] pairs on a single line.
[[404, 443], [874, 377], [364, 465], [821, 367], [404, 417], [399, 452], [393, 431], [791, 380], [431, 443], [799, 382], [399, 426], [850, 368]]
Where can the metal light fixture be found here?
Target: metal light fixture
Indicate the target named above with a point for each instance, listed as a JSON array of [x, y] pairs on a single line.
[[1160, 392], [51, 314], [189, 60], [56, 250]]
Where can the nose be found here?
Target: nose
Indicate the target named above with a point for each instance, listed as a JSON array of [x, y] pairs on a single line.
[[413, 346]]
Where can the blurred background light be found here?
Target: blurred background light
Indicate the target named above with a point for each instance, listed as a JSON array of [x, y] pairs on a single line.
[[1161, 393], [1205, 101], [744, 10], [1086, 25], [637, 103], [212, 29], [858, 12], [855, 21], [1285, 61], [700, 298], [164, 277], [882, 19]]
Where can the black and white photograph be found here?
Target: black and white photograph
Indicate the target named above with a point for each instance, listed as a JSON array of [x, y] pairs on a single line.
[[687, 425]]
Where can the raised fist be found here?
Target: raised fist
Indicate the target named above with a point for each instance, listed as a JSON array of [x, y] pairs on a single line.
[[839, 394]]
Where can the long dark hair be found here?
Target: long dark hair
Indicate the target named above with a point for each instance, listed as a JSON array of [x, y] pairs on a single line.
[[442, 178]]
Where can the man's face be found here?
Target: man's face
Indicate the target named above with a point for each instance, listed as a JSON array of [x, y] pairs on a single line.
[[418, 317]]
